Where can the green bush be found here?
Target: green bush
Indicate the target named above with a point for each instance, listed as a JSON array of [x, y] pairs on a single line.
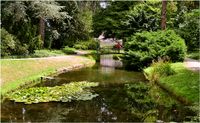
[[46, 53], [160, 69], [90, 44], [194, 54], [142, 48], [21, 50], [81, 45], [7, 43], [189, 29], [68, 50], [10, 45]]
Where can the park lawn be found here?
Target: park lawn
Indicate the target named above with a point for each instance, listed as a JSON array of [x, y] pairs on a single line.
[[183, 83], [18, 72]]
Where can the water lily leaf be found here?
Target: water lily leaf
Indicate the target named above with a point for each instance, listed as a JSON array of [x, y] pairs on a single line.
[[63, 93]]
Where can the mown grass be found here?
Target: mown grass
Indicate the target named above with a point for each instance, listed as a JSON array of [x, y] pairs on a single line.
[[18, 72], [184, 82]]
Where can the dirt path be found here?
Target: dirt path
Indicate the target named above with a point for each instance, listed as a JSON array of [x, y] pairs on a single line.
[[192, 64]]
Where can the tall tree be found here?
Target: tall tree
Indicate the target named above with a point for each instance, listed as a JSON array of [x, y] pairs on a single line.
[[163, 16], [110, 19], [45, 10]]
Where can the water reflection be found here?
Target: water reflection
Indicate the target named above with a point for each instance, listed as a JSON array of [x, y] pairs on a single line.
[[107, 60], [107, 70], [119, 100]]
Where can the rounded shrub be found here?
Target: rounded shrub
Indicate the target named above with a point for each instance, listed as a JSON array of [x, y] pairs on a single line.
[[142, 48], [10, 45], [69, 50], [7, 43]]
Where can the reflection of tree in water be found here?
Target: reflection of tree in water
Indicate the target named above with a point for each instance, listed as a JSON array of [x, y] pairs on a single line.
[[116, 102], [149, 103]]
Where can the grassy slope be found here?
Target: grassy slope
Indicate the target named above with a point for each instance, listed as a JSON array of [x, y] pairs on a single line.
[[184, 83], [17, 72]]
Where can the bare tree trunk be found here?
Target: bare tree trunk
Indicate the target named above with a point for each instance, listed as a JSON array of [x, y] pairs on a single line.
[[41, 29], [163, 16]]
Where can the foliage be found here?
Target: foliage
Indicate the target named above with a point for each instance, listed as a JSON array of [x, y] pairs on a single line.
[[142, 48], [17, 20], [160, 69], [68, 50], [79, 26], [64, 22], [46, 53], [7, 43], [14, 9], [124, 18], [10, 45], [48, 10], [109, 19], [64, 93], [90, 44], [139, 98], [189, 29], [143, 17], [147, 102], [194, 54], [195, 108]]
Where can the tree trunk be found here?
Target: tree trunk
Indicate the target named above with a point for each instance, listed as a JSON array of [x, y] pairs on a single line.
[[163, 17], [41, 29]]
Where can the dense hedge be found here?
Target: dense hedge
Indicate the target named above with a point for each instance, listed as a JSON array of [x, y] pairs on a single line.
[[68, 50], [10, 45], [189, 29], [90, 44], [142, 48]]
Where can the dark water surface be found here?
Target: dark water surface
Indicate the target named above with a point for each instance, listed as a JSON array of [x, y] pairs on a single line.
[[115, 102]]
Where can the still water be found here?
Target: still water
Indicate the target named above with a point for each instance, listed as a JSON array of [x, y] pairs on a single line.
[[116, 101]]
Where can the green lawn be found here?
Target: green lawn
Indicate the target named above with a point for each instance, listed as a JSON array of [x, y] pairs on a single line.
[[18, 72], [184, 82]]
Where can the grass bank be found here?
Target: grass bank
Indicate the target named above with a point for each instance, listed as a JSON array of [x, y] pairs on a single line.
[[17, 72], [183, 82]]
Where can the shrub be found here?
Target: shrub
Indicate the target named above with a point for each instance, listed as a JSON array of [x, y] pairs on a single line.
[[10, 45], [142, 48], [69, 50], [194, 54], [21, 49], [160, 68], [7, 43], [81, 45], [189, 29], [90, 44], [46, 53]]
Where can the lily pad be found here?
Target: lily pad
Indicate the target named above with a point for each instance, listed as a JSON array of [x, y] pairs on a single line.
[[63, 93]]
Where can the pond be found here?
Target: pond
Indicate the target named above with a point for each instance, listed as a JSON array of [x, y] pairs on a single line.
[[124, 96]]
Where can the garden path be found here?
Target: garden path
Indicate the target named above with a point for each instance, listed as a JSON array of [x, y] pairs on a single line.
[[192, 64]]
